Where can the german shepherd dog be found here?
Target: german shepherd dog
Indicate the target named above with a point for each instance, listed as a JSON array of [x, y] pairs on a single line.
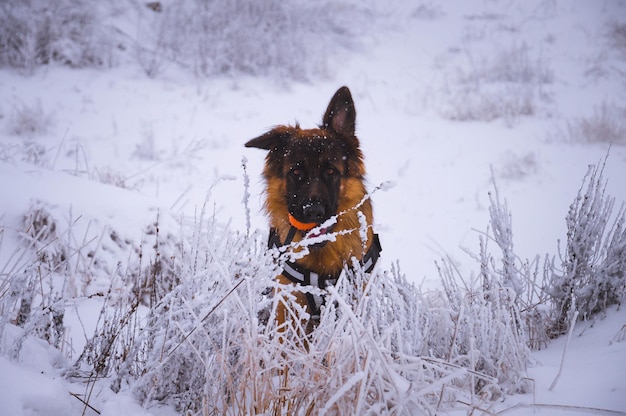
[[317, 203]]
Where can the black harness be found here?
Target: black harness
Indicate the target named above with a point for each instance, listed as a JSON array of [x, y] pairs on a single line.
[[305, 277]]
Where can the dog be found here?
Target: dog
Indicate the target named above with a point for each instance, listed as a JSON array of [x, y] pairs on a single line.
[[317, 204]]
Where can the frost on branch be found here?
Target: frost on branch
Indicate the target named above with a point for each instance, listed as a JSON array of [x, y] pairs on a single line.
[[502, 226], [594, 262]]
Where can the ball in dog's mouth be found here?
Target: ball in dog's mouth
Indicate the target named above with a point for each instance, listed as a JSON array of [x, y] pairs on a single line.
[[312, 230], [302, 226]]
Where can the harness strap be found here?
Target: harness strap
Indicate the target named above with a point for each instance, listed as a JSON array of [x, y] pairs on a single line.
[[305, 277]]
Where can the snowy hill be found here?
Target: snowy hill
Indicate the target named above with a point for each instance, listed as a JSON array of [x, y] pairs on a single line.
[[121, 169]]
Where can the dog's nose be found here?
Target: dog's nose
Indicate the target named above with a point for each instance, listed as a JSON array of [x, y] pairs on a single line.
[[314, 212]]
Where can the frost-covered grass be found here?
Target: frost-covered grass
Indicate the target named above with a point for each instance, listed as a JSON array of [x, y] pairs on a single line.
[[189, 318]]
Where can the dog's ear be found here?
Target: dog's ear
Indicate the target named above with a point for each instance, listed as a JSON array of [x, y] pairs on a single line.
[[340, 115], [272, 140]]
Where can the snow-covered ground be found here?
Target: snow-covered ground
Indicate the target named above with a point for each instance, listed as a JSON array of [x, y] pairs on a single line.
[[450, 96]]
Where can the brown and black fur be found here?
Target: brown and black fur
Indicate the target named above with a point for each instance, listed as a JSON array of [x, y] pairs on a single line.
[[314, 174]]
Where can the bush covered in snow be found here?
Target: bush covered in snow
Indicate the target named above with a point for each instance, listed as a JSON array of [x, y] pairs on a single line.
[[506, 86], [593, 274], [286, 40], [606, 125], [283, 40], [35, 32]]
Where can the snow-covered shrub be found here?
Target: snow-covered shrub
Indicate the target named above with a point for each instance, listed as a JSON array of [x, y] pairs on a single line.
[[110, 176], [427, 11], [483, 103], [60, 257], [542, 297], [293, 40], [593, 272], [488, 336], [504, 86], [146, 149], [606, 125], [38, 32], [113, 339], [31, 298], [513, 288], [284, 40], [157, 269], [511, 65], [29, 120], [502, 228], [517, 167], [486, 331], [197, 337]]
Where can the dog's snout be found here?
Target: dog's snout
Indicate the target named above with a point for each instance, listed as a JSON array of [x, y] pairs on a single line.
[[314, 212]]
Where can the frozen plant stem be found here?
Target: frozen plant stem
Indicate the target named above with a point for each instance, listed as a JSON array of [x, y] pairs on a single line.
[[569, 337], [246, 193]]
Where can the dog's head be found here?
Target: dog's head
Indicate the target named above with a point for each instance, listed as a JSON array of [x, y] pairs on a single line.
[[306, 169]]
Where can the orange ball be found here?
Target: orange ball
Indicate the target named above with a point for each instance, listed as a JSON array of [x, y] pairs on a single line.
[[302, 226]]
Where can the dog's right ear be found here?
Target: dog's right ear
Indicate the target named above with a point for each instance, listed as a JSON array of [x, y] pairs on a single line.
[[272, 140]]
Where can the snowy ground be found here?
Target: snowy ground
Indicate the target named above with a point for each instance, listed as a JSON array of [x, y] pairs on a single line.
[[447, 95]]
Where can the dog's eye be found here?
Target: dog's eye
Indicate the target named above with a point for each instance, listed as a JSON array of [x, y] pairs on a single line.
[[297, 172], [330, 171]]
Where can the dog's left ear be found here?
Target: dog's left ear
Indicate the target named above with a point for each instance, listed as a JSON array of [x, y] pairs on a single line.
[[341, 115]]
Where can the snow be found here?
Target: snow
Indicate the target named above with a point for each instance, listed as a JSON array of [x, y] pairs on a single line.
[[33, 385], [116, 148], [593, 370]]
